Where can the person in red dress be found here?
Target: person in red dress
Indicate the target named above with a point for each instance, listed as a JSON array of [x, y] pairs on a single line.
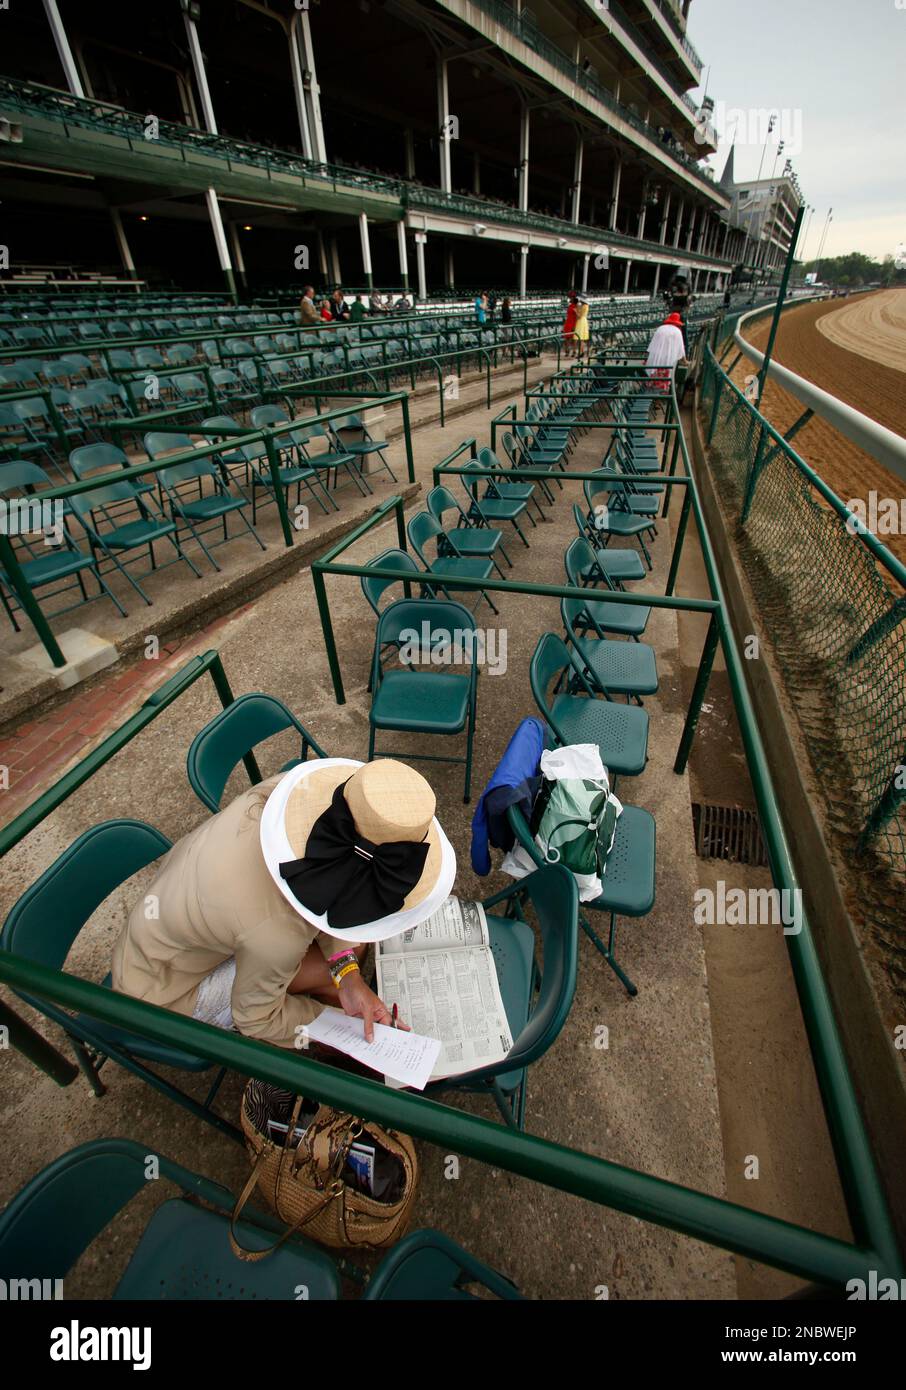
[[569, 326]]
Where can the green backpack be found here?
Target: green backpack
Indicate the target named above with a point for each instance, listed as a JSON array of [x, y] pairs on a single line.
[[576, 820]]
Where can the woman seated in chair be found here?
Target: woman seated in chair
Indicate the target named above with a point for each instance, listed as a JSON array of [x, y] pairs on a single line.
[[261, 916]]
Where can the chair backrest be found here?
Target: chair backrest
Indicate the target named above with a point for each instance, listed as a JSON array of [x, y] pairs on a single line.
[[83, 503], [18, 376], [421, 529], [488, 459], [554, 895], [189, 384], [472, 478], [597, 490], [577, 615], [48, 917], [90, 458], [263, 415], [190, 470], [159, 442], [220, 746], [550, 658], [78, 362], [375, 585], [511, 448], [20, 473], [581, 521], [441, 500], [440, 617], [34, 408]]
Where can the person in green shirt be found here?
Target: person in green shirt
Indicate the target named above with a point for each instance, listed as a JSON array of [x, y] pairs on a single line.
[[357, 312]]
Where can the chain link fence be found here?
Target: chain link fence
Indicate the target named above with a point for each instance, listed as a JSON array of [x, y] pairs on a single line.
[[832, 602]]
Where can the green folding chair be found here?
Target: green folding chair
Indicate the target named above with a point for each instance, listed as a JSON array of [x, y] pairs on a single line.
[[229, 738], [492, 508], [425, 701], [183, 1253], [199, 494], [619, 565], [620, 731], [611, 668], [628, 885], [43, 927], [99, 512], [465, 537], [536, 1003], [584, 571], [421, 530]]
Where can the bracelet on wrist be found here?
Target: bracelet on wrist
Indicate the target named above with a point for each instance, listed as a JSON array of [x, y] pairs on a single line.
[[341, 955], [347, 969]]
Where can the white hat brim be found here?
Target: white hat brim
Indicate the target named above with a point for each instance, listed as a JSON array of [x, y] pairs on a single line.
[[277, 850]]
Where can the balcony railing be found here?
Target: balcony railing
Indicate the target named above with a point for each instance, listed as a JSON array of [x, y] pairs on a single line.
[[527, 31], [675, 16], [422, 196], [626, 23], [31, 98]]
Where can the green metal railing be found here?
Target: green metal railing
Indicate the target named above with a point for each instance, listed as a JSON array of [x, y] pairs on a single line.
[[269, 437], [866, 1203], [763, 1238], [796, 1249], [832, 598]]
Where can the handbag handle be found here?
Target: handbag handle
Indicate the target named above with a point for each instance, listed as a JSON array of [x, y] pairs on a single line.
[[252, 1256], [331, 1193]]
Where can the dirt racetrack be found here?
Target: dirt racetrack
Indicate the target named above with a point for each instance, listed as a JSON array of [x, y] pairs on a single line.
[[872, 325], [809, 342]]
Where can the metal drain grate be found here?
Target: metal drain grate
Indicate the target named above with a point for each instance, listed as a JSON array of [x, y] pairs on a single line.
[[728, 832]]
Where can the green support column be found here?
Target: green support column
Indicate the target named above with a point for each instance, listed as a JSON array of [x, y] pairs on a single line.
[[29, 602], [38, 1050]]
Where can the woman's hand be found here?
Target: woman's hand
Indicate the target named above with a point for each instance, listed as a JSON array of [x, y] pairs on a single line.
[[361, 1002]]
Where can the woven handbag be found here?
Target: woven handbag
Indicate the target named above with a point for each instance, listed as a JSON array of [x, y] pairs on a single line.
[[305, 1186]]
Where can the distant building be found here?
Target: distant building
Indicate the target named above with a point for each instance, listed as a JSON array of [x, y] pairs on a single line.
[[765, 211]]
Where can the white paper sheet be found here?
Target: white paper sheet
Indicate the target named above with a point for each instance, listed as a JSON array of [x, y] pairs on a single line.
[[406, 1057]]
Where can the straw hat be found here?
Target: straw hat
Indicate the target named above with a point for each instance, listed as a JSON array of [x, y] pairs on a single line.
[[389, 802]]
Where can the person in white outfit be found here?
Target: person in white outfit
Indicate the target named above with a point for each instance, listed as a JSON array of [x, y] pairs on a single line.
[[665, 350]]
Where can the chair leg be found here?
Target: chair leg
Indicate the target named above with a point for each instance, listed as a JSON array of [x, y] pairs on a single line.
[[519, 533], [503, 1105], [248, 526], [9, 611], [386, 464], [110, 594], [607, 952], [87, 1066], [469, 740]]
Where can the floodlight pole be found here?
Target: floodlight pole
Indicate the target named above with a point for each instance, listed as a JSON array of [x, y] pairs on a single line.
[[781, 295]]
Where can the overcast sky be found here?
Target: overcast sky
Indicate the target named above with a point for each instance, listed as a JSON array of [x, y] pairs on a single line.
[[836, 69]]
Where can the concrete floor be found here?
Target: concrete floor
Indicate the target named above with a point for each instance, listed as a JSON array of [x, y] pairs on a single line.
[[708, 1062]]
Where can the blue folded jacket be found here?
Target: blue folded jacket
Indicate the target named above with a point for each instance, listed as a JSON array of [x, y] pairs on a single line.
[[515, 780]]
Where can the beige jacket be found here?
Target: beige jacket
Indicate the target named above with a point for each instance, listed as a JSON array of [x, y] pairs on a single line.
[[310, 315], [213, 898]]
